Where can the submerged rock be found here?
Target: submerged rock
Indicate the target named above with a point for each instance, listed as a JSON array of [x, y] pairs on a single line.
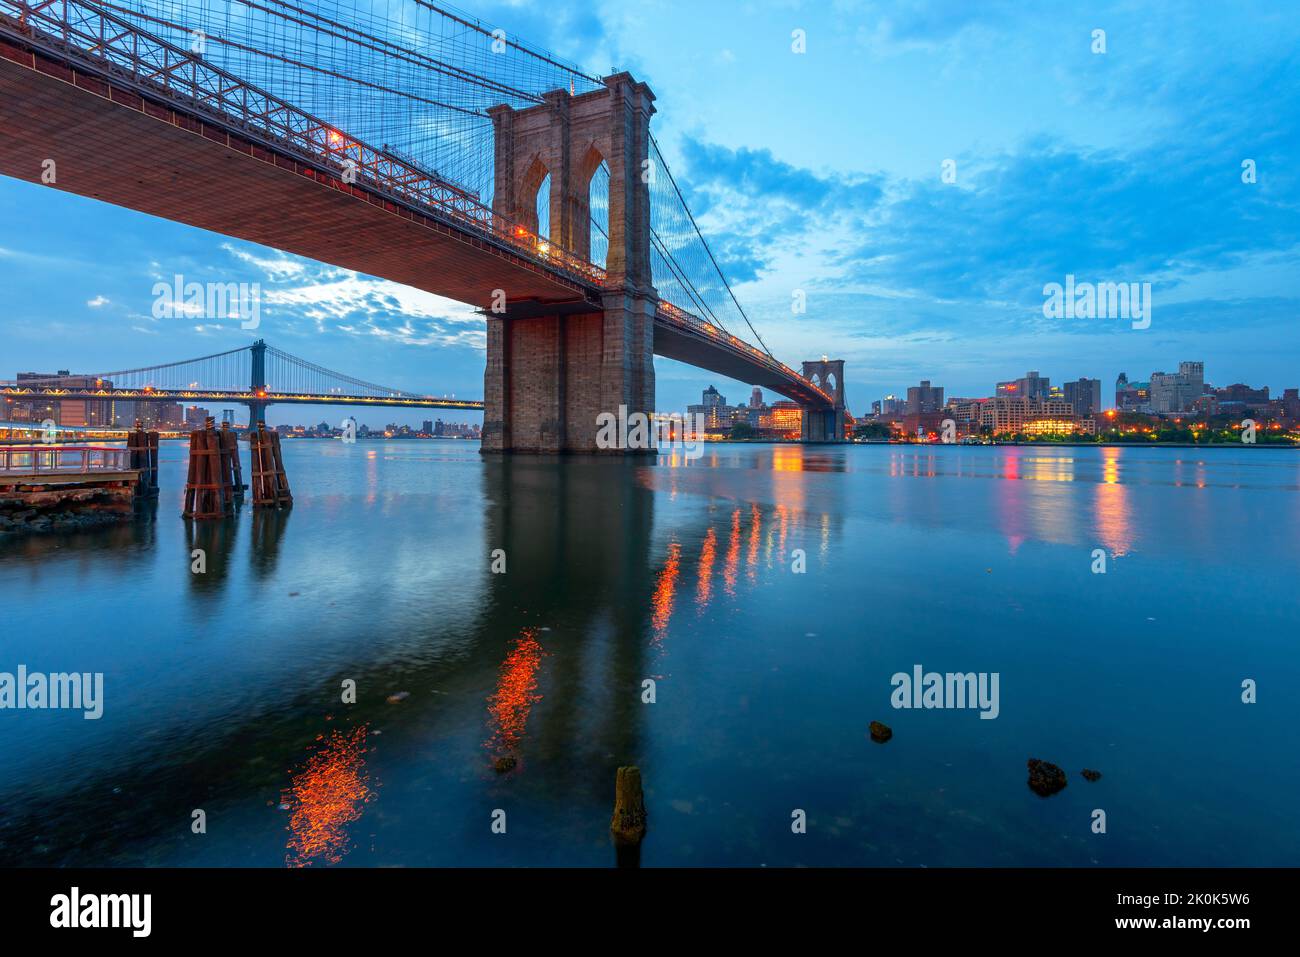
[[505, 763], [880, 733], [399, 696], [1090, 775], [1045, 778]]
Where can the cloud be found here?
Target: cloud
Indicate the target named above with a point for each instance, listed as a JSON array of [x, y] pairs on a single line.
[[304, 297], [97, 302]]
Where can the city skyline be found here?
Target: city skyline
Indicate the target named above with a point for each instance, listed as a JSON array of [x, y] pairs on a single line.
[[863, 408]]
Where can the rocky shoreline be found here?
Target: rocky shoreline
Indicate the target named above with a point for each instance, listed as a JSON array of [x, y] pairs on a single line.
[[18, 521]]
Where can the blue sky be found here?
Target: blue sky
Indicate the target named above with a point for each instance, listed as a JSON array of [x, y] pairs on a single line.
[[821, 172]]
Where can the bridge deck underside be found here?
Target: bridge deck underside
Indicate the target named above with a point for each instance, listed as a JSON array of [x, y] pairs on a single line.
[[115, 152], [674, 342], [112, 152]]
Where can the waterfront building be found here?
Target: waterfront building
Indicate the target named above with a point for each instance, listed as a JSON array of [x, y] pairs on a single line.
[[1084, 396], [1178, 391], [924, 398], [1030, 386], [1132, 396]]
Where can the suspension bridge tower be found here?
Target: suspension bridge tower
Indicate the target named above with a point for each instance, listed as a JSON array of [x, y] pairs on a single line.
[[554, 367], [257, 410], [825, 425]]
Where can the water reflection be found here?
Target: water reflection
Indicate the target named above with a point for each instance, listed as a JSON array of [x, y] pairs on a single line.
[[704, 581], [269, 526], [733, 556], [211, 544], [611, 565], [327, 795], [514, 697], [665, 587]]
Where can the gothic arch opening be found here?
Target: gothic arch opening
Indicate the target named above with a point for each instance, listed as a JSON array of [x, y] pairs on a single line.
[[592, 234], [535, 199]]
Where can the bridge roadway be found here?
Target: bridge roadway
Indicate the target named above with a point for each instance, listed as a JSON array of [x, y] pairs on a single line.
[[201, 168], [270, 397]]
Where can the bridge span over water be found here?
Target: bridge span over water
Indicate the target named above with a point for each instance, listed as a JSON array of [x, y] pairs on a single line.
[[423, 148]]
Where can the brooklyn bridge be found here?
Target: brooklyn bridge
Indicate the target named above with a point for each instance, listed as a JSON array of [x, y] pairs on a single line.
[[433, 151]]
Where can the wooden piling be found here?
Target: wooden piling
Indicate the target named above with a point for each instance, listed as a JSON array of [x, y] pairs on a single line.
[[628, 823], [208, 494], [270, 484], [230, 446], [142, 448], [283, 498]]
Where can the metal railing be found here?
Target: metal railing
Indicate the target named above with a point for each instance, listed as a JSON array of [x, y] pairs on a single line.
[[68, 460], [84, 31]]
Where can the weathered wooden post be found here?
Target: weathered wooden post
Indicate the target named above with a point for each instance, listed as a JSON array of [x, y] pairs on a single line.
[[207, 492], [628, 823], [270, 484], [283, 498], [230, 445], [151, 460]]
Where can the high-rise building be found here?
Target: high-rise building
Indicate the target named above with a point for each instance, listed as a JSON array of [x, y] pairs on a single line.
[[756, 398], [427, 427], [924, 398], [1132, 396], [1030, 386], [195, 417], [892, 405], [167, 416], [92, 413], [713, 397], [787, 419], [1084, 396], [1178, 391], [1004, 413]]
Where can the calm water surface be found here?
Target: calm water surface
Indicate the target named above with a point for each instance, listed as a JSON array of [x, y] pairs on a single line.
[[223, 691]]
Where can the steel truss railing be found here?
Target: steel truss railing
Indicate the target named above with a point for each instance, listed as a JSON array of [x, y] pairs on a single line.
[[83, 32]]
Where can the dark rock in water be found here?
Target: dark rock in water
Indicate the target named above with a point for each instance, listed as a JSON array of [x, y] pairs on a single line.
[[1091, 775], [506, 762], [880, 733], [1045, 778]]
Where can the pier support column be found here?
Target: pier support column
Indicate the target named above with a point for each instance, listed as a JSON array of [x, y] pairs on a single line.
[[551, 373]]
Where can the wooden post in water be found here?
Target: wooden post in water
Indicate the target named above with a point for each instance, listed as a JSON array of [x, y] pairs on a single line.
[[142, 447], [283, 498], [207, 489], [230, 445], [270, 484], [628, 824], [151, 456]]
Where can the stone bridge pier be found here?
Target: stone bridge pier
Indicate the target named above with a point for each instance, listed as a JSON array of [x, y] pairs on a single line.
[[825, 425], [554, 367]]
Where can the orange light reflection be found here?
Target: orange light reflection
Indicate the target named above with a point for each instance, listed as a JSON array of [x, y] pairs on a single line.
[[704, 586], [326, 795]]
